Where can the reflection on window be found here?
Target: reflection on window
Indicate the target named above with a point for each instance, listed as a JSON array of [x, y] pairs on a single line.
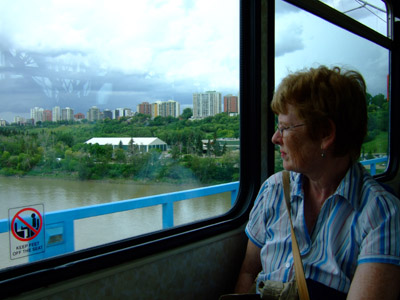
[[302, 42], [104, 103], [372, 13]]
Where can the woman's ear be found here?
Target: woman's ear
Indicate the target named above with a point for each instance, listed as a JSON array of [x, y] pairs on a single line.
[[329, 137]]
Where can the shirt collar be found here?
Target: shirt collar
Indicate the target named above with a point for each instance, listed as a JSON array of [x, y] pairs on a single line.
[[349, 187]]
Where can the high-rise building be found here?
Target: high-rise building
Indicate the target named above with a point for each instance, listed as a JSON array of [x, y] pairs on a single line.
[[107, 114], [165, 109], [67, 114], [144, 108], [19, 120], [47, 115], [115, 114], [155, 109], [231, 104], [122, 112], [127, 112], [206, 104], [93, 114], [37, 114], [169, 108], [56, 114]]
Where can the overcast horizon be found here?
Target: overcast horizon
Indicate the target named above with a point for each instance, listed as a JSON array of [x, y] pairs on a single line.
[[81, 54]]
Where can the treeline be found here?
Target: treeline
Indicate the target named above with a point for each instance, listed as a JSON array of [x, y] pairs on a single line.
[[378, 115], [377, 140], [58, 149]]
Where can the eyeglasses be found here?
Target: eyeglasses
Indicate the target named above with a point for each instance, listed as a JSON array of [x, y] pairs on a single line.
[[282, 129]]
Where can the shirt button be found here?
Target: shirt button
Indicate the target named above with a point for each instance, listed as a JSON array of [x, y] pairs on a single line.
[[287, 265]]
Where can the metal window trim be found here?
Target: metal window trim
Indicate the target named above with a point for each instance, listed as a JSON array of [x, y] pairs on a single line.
[[335, 17]]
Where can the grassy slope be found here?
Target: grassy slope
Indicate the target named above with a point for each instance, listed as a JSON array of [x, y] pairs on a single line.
[[378, 145]]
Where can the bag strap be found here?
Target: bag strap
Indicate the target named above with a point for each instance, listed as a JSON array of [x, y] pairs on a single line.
[[298, 264]]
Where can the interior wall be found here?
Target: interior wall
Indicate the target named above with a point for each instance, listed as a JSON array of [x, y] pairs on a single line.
[[395, 184], [202, 270]]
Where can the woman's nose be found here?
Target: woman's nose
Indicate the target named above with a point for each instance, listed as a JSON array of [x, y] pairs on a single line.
[[277, 138]]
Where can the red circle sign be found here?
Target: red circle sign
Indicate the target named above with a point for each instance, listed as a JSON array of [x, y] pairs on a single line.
[[24, 230]]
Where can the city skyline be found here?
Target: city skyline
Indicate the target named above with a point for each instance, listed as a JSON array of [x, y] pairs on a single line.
[[58, 113]]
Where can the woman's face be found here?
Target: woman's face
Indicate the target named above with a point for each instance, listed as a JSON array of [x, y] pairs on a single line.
[[298, 152]]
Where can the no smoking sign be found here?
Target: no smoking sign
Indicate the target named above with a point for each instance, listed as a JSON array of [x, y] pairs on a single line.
[[26, 231]]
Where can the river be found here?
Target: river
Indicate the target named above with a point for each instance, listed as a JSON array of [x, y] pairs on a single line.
[[60, 194]]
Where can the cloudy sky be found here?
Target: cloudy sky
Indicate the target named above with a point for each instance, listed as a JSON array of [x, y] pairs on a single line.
[[119, 53]]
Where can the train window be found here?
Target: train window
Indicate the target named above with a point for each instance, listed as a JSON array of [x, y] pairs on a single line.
[[119, 122], [105, 106], [302, 42]]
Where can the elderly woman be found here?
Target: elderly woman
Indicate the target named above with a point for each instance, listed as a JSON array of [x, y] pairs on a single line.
[[347, 226]]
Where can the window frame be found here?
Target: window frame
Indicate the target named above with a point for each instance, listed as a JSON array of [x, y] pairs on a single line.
[[23, 278], [257, 20]]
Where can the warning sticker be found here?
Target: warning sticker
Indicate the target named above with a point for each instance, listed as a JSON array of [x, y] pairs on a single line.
[[26, 230]]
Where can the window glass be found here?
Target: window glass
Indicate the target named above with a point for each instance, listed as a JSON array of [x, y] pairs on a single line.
[[104, 103], [302, 41], [371, 13]]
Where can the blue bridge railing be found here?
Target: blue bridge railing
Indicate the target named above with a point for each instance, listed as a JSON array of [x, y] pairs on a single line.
[[59, 225], [373, 162]]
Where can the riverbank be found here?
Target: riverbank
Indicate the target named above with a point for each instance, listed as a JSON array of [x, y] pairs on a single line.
[[73, 176], [190, 168]]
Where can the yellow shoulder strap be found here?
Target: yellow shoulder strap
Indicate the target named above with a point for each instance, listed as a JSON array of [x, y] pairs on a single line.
[[298, 264]]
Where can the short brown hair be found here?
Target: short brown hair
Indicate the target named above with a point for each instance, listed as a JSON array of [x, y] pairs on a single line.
[[322, 94]]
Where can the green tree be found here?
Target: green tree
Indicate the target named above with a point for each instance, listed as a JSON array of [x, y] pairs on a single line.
[[175, 152], [119, 155], [216, 147], [208, 148], [67, 138], [5, 156], [85, 168], [199, 145], [187, 113]]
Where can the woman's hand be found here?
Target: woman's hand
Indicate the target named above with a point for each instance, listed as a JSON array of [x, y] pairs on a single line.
[[250, 268]]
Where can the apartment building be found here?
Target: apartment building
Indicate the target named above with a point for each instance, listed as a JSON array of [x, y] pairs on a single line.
[[206, 104]]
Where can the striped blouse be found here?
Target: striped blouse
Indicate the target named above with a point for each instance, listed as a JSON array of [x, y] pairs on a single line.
[[359, 223]]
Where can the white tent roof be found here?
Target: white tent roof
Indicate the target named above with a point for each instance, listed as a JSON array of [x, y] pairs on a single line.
[[125, 141]]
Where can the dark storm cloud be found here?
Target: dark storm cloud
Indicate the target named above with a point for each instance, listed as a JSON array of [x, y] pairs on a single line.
[[30, 87], [289, 39], [18, 94]]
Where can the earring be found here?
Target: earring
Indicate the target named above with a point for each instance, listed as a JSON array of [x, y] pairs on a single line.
[[322, 153]]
